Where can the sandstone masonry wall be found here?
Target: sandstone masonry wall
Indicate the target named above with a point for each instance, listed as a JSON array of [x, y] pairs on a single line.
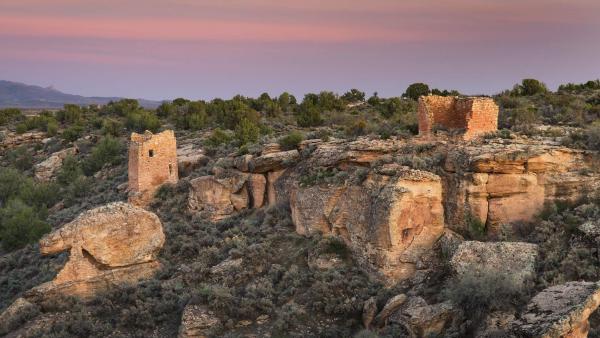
[[152, 161], [472, 115]]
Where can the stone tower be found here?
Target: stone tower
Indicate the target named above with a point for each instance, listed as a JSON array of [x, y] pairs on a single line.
[[471, 116], [152, 162]]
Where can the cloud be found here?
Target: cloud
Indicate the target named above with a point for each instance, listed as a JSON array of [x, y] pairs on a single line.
[[210, 30]]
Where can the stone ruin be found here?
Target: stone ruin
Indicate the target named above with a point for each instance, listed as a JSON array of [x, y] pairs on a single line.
[[152, 162], [470, 116]]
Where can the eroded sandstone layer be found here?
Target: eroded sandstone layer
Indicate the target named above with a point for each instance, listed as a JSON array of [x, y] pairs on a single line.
[[109, 245], [560, 311], [503, 182], [390, 214]]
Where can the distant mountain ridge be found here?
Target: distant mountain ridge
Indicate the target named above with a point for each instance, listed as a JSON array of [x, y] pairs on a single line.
[[20, 95]]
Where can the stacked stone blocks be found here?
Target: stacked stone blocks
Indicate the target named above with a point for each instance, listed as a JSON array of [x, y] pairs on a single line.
[[471, 116]]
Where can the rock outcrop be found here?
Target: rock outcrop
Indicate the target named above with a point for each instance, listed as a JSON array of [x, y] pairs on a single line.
[[110, 245], [273, 161], [425, 320], [560, 311], [389, 221], [13, 140], [220, 196], [45, 170], [500, 183], [196, 322], [189, 159], [512, 260]]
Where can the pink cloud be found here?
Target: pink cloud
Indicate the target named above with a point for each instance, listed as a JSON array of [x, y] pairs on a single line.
[[212, 30]]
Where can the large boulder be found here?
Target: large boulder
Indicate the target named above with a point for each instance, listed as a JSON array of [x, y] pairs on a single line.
[[45, 170], [190, 158], [225, 193], [515, 260], [109, 245], [273, 161], [425, 320], [197, 322], [217, 198], [560, 311], [389, 221]]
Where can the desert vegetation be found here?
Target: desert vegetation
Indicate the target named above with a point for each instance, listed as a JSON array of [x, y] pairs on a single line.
[[279, 277]]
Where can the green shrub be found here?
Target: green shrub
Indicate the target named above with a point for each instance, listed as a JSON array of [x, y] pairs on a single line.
[[530, 87], [354, 95], [72, 134], [247, 132], [70, 114], [10, 114], [20, 225], [308, 115], [77, 189], [21, 128], [108, 151], [122, 107], [415, 90], [141, 121], [478, 293], [111, 127], [20, 158], [218, 137], [45, 121], [291, 140], [356, 128], [592, 136], [69, 171]]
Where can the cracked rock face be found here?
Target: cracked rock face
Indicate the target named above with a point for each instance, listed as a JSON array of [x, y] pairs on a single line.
[[110, 245], [389, 221], [500, 184], [45, 170], [560, 311]]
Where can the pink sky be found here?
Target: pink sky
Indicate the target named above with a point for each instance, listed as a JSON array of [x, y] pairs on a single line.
[[162, 49]]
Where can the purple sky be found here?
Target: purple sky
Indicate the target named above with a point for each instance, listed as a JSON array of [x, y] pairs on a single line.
[[159, 49]]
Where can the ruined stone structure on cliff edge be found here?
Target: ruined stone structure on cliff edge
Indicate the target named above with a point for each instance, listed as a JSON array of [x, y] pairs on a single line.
[[471, 116], [152, 162]]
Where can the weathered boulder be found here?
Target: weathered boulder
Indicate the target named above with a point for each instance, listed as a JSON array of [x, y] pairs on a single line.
[[273, 161], [362, 151], [389, 221], [560, 311], [109, 245], [449, 243], [218, 197], [425, 320], [197, 322], [514, 260], [390, 307], [228, 265], [270, 148], [591, 229], [190, 158], [45, 170]]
